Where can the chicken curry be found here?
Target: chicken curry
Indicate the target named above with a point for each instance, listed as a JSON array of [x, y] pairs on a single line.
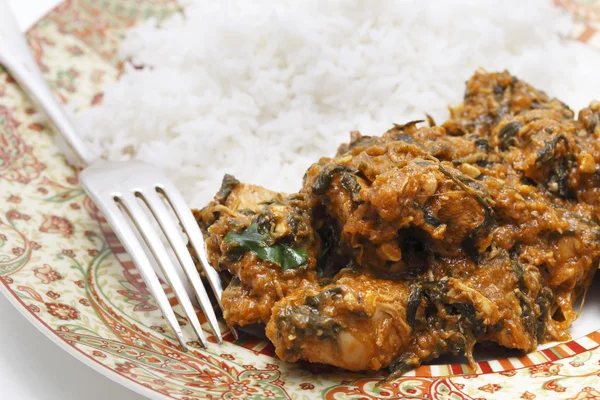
[[424, 240]]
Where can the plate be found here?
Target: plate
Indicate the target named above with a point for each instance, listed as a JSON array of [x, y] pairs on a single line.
[[63, 268]]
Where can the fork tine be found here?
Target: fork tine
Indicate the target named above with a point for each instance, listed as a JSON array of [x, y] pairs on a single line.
[[129, 240], [173, 234], [192, 229], [142, 222]]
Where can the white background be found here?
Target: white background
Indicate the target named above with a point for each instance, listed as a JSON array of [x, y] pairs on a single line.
[[31, 366]]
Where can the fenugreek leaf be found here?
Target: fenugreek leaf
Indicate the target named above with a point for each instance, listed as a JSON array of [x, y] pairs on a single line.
[[252, 240]]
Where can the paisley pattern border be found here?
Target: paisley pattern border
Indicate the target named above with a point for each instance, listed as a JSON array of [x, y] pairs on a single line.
[[65, 270]]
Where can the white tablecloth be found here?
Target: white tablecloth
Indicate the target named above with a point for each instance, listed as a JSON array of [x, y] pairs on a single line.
[[31, 366]]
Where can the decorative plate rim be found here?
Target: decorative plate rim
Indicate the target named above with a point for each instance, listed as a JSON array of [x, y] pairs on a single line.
[[45, 329]]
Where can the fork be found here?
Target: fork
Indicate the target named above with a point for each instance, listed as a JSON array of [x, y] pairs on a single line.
[[119, 189]]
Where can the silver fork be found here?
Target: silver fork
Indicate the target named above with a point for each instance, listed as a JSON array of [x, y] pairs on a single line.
[[118, 189]]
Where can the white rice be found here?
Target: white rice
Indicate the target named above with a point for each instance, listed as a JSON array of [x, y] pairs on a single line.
[[262, 89]]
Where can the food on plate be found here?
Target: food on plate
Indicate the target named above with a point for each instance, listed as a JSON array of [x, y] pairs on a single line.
[[265, 242], [424, 240]]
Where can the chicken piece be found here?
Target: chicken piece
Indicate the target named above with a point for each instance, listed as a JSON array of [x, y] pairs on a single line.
[[535, 134], [357, 323], [560, 154], [491, 96], [263, 242], [375, 193]]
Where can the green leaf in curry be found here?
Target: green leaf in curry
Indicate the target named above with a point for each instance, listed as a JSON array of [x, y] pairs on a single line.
[[252, 240], [292, 258], [249, 238]]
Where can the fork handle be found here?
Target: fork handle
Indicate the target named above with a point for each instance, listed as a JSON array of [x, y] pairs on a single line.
[[16, 57]]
